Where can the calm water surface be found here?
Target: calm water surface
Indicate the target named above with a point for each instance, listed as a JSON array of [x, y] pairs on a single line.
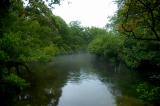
[[76, 80]]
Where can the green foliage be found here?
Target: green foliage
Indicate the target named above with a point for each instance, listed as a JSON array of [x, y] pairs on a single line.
[[17, 81], [107, 45], [134, 51], [135, 37], [79, 37], [137, 21], [147, 92], [33, 33]]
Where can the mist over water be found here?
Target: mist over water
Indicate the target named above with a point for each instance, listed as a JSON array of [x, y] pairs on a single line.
[[83, 87], [75, 80], [74, 59]]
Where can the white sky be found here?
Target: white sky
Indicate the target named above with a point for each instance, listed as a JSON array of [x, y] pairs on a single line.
[[88, 12]]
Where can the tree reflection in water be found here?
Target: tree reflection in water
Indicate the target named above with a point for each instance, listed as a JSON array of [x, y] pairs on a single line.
[[54, 84]]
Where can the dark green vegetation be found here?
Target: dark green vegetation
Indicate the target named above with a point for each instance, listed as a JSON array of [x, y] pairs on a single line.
[[33, 33], [66, 80], [134, 38]]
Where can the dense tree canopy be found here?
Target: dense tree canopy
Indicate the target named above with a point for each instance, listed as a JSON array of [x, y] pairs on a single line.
[[31, 32], [134, 38], [139, 19]]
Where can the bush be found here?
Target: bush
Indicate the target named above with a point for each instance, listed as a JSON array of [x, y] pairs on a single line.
[[108, 45], [148, 93], [17, 81]]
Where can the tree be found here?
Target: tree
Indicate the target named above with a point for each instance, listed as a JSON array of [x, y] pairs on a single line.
[[140, 19], [138, 22]]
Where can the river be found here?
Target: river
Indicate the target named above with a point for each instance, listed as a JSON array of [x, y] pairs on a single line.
[[79, 80]]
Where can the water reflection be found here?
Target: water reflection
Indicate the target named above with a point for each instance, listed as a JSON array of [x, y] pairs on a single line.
[[87, 92], [76, 80]]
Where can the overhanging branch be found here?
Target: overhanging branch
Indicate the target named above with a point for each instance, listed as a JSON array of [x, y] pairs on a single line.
[[151, 26], [131, 33]]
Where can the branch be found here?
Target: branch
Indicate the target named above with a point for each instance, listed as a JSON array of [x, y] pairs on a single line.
[[149, 39], [135, 37], [152, 25]]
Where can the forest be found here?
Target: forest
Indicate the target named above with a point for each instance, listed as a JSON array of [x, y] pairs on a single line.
[[30, 32]]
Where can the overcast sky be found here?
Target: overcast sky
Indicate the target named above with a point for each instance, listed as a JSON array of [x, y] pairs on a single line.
[[88, 12]]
